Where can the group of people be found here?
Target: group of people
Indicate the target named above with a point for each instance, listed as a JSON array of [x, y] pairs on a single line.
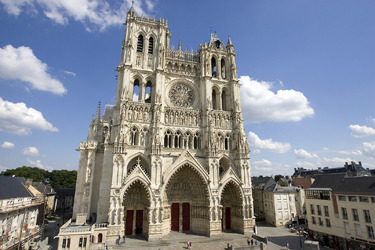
[[118, 241], [252, 242]]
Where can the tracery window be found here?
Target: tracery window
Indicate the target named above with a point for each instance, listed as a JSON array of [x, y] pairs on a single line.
[[140, 44], [134, 136], [168, 139], [196, 141]]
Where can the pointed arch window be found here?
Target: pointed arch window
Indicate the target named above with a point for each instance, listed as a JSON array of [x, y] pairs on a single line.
[[224, 100], [168, 139], [214, 99], [148, 92], [151, 45], [223, 69], [213, 67], [134, 136], [135, 96], [140, 44]]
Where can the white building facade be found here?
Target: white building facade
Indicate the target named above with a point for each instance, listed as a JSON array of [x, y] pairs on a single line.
[[171, 154]]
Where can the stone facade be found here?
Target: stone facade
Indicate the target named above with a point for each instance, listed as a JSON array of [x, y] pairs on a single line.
[[171, 154]]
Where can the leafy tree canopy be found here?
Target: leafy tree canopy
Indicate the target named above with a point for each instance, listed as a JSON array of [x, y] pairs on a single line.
[[278, 177], [56, 178]]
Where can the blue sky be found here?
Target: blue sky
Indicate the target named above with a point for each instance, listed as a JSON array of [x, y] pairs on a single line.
[[306, 69]]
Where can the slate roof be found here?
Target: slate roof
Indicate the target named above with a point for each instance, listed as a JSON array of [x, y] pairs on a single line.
[[43, 188], [13, 187], [108, 113], [261, 182], [61, 192], [346, 184]]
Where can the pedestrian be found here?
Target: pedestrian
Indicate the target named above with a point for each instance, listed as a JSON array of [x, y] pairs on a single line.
[[248, 241], [123, 238], [256, 242], [252, 242], [119, 241], [188, 245], [287, 245]]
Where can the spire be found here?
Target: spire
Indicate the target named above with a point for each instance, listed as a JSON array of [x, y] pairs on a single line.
[[229, 41], [179, 44], [97, 117], [132, 8]]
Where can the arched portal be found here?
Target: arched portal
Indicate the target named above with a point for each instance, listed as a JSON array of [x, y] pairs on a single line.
[[186, 202], [136, 204], [231, 201]]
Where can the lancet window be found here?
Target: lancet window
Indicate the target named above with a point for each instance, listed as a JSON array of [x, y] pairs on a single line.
[[213, 67], [140, 44], [148, 92], [136, 89], [134, 136], [168, 139], [151, 45], [223, 69]]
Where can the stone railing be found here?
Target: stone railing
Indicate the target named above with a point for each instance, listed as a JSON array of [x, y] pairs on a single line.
[[19, 205], [101, 225], [182, 117], [183, 56]]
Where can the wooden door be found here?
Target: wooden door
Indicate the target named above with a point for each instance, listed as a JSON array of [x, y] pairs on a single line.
[[185, 216], [129, 222], [139, 222], [227, 218], [175, 210]]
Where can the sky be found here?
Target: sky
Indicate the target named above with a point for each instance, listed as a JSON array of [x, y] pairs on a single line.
[[306, 68]]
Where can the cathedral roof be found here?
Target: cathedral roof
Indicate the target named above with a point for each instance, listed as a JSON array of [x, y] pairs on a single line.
[[108, 113]]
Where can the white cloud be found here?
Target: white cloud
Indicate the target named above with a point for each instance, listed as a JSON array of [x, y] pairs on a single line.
[[348, 152], [361, 131], [262, 166], [39, 164], [268, 144], [135, 97], [17, 118], [2, 168], [70, 73], [7, 145], [260, 104], [21, 64], [368, 149], [93, 14], [304, 164], [31, 151], [303, 154], [334, 162]]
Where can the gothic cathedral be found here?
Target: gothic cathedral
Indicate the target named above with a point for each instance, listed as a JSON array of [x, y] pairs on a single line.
[[171, 154]]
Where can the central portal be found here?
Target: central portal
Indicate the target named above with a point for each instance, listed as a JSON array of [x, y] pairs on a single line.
[[186, 202]]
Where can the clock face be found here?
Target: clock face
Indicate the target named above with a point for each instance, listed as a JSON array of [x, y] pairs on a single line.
[[181, 95]]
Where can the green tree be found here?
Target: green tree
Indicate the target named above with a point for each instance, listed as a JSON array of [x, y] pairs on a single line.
[[56, 178], [278, 177], [36, 174]]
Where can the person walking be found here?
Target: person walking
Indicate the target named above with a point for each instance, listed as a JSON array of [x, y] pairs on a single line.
[[123, 238]]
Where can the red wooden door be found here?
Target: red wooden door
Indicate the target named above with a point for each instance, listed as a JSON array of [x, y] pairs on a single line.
[[227, 218], [185, 216], [129, 222], [175, 217], [139, 221]]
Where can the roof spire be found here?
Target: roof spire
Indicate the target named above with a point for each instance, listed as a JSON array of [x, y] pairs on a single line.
[[179, 44], [229, 41], [97, 118]]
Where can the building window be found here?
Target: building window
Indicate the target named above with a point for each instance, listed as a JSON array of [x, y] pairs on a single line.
[[150, 45], [140, 44], [367, 216], [357, 229], [312, 209], [370, 232], [320, 221], [84, 242], [80, 242], [352, 198], [213, 67], [328, 223], [64, 243], [68, 244], [318, 195], [363, 198], [319, 210], [355, 214], [344, 213], [313, 220], [342, 197], [326, 213], [347, 228], [373, 199]]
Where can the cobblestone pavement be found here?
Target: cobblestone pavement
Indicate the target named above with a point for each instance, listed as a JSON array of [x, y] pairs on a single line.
[[277, 239]]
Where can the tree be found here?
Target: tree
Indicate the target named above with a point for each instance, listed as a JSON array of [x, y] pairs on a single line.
[[278, 177], [56, 178]]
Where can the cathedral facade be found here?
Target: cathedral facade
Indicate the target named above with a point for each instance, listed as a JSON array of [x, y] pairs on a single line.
[[171, 154]]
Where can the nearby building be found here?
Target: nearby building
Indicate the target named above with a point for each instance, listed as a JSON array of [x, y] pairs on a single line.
[[171, 154], [340, 210], [259, 184], [276, 204], [18, 214], [64, 198], [353, 169]]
